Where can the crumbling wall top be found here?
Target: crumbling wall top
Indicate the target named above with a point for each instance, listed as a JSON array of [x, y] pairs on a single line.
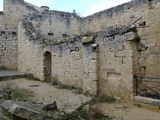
[[122, 8]]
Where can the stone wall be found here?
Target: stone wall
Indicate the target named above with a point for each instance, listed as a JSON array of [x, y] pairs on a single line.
[[100, 53], [116, 63], [145, 17], [55, 25], [14, 10], [38, 33], [30, 54], [72, 63], [9, 18], [8, 49], [142, 59], [67, 64], [2, 21]]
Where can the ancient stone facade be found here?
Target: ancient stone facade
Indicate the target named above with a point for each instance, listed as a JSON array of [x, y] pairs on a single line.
[[100, 53]]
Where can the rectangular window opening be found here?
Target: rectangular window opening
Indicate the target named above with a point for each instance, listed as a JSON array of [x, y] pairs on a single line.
[[14, 33], [64, 35], [50, 34], [1, 12], [3, 32]]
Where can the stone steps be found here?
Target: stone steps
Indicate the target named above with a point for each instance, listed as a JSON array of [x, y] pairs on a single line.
[[10, 74]]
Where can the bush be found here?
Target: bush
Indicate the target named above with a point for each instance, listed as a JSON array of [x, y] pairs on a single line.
[[13, 92], [102, 98], [19, 94], [86, 115], [75, 89]]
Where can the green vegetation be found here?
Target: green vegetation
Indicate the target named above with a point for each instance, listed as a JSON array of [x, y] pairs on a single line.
[[86, 115], [4, 68], [102, 98], [13, 92], [19, 94], [31, 77], [75, 89], [27, 76], [81, 114]]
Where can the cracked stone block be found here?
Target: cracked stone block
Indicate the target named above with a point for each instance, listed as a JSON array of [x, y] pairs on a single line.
[[130, 36]]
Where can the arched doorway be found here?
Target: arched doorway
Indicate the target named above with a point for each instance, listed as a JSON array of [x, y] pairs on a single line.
[[47, 66]]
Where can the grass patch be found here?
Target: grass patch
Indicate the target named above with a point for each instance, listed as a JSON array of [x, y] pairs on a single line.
[[31, 77], [81, 114], [86, 115], [3, 68], [27, 76], [75, 89], [102, 98], [13, 92], [19, 94]]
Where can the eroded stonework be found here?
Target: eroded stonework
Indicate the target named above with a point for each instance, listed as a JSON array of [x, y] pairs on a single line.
[[99, 53]]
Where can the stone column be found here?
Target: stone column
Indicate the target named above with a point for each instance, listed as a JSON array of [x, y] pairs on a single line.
[[90, 68]]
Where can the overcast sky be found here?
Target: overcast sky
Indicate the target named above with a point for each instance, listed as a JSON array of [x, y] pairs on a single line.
[[82, 7]]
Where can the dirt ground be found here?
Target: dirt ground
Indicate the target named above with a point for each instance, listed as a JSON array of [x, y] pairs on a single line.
[[126, 111], [68, 101]]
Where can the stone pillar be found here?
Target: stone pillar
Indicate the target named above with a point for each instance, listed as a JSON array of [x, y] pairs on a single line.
[[90, 68]]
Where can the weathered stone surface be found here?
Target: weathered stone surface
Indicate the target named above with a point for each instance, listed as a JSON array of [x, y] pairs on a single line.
[[131, 36], [49, 106], [7, 104], [150, 101], [142, 47], [23, 112], [30, 114], [2, 117]]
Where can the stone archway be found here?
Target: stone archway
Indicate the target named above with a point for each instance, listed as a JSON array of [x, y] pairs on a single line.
[[47, 66]]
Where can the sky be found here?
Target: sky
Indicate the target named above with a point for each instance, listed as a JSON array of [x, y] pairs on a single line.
[[82, 7]]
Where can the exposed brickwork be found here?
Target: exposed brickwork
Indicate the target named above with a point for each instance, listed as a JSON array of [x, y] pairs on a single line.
[[8, 50]]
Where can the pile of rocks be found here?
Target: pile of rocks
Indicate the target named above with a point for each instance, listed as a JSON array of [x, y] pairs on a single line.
[[48, 111]]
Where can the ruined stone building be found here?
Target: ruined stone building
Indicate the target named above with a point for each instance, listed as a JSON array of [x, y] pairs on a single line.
[[100, 53]]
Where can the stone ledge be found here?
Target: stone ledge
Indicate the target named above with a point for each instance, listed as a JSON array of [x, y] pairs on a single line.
[[8, 74], [151, 101]]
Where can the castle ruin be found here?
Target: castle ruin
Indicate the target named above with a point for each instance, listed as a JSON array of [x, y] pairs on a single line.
[[100, 53]]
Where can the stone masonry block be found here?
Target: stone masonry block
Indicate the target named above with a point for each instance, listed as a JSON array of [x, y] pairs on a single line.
[[127, 53], [128, 61], [85, 76], [119, 38], [77, 56], [93, 76], [131, 36], [118, 61], [103, 75], [93, 66], [127, 78], [110, 55], [86, 61], [124, 69], [114, 76], [127, 69], [94, 55], [128, 45]]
